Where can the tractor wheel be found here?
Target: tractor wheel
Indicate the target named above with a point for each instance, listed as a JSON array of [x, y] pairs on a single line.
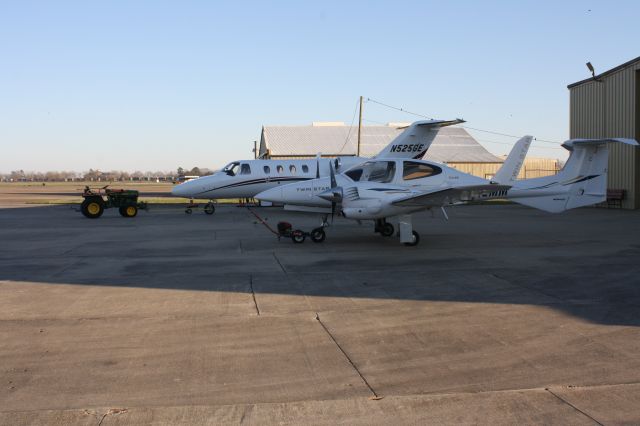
[[92, 207], [209, 208], [298, 236], [318, 235], [128, 211], [386, 230], [416, 240]]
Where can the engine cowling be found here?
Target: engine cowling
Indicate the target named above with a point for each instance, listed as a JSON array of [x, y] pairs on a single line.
[[369, 211]]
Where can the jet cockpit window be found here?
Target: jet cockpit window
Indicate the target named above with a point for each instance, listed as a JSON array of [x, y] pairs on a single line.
[[267, 170], [232, 168], [245, 169], [414, 170], [292, 169], [374, 171], [305, 168]]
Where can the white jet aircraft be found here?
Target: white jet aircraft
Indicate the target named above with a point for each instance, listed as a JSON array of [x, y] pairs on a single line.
[[384, 188], [245, 179]]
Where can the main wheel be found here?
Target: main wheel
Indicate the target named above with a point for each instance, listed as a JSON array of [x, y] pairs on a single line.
[[318, 235], [386, 230], [92, 207], [188, 211], [209, 208], [128, 211], [416, 240], [298, 236]]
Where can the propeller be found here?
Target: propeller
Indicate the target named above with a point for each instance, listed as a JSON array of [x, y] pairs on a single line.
[[318, 165], [333, 194]]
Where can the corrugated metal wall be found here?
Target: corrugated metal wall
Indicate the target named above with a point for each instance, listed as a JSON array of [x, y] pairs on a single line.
[[608, 109]]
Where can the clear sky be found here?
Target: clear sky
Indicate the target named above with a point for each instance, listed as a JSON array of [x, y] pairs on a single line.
[[153, 85]]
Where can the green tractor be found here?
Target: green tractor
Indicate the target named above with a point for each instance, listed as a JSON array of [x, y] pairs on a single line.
[[97, 200]]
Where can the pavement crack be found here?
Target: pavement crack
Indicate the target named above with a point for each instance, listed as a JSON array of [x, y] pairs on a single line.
[[279, 263], [355, 367], [253, 294], [573, 406]]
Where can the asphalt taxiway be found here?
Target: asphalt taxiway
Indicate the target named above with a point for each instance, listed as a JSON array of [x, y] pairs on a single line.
[[501, 315]]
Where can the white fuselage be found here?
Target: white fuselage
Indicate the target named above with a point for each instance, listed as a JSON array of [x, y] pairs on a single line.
[[368, 194], [245, 179]]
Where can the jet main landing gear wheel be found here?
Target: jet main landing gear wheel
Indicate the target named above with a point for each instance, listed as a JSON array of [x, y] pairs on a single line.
[[209, 208], [318, 235], [416, 239]]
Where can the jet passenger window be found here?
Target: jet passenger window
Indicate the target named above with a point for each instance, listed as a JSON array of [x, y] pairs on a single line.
[[279, 168], [245, 169], [305, 168], [292, 169], [414, 170], [267, 170]]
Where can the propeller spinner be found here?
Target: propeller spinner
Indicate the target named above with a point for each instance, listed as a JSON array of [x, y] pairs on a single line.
[[333, 194]]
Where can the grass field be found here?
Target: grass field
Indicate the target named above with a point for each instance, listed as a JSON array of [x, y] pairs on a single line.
[[47, 193]]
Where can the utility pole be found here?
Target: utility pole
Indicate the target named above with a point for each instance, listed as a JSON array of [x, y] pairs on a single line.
[[359, 127]]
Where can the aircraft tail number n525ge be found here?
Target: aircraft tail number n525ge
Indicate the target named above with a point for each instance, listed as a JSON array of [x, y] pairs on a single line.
[[397, 187], [245, 179]]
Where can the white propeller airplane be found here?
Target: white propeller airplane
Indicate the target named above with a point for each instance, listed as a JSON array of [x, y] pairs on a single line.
[[389, 187], [245, 179]]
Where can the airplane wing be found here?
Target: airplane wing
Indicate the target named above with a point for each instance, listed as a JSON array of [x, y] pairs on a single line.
[[443, 197]]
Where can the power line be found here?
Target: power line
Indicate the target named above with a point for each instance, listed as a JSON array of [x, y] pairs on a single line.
[[510, 144], [507, 135], [399, 109], [464, 127]]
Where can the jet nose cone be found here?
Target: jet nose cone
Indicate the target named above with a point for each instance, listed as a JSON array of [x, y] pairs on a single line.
[[180, 190], [273, 195]]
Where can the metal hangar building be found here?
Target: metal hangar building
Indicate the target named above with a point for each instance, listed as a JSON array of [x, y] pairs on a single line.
[[608, 106], [453, 146]]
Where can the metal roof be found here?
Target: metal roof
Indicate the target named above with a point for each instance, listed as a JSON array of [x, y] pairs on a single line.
[[604, 74], [452, 145]]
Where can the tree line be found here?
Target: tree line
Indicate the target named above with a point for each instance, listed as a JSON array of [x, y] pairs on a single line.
[[99, 175]]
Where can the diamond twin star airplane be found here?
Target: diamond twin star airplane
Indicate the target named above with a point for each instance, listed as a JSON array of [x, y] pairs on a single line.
[[397, 187]]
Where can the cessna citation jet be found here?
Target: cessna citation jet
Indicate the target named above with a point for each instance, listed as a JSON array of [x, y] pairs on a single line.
[[389, 187], [245, 179]]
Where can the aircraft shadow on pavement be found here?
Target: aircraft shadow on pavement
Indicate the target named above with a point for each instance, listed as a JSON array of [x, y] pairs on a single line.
[[54, 245]]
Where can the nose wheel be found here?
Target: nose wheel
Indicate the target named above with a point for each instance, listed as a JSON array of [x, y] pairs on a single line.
[[318, 235], [209, 208]]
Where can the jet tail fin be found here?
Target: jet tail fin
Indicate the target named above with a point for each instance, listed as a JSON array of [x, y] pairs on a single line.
[[416, 139], [512, 165], [582, 181]]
